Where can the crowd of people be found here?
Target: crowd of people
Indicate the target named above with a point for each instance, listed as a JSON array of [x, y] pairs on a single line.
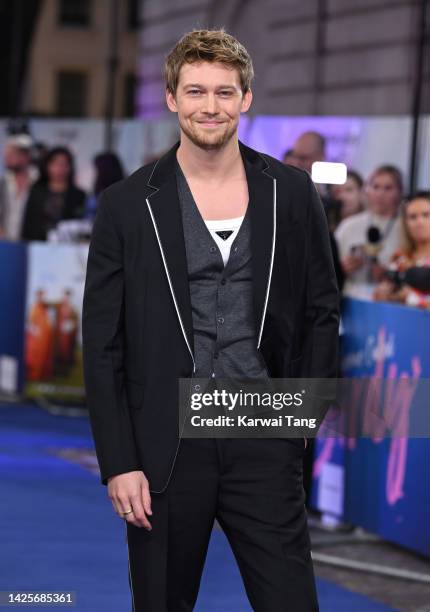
[[38, 190], [380, 238]]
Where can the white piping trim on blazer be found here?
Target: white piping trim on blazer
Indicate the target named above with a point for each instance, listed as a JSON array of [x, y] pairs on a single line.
[[177, 312], [170, 282], [149, 180], [266, 299]]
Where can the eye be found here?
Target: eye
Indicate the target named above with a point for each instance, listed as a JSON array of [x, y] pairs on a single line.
[[194, 92], [225, 93]]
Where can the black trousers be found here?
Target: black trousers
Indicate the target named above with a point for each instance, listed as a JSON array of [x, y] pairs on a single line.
[[254, 488]]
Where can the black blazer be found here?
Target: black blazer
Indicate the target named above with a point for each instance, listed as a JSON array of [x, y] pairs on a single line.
[[34, 222], [137, 321]]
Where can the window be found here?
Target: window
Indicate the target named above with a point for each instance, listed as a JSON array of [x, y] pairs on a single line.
[[130, 84], [74, 13], [71, 94]]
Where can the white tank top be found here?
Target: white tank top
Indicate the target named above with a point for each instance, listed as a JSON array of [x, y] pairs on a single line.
[[224, 231]]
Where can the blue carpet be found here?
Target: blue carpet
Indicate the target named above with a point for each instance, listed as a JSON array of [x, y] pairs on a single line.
[[59, 532]]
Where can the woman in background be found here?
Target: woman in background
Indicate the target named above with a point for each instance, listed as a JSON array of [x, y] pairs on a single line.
[[415, 253], [54, 197], [368, 240], [350, 194]]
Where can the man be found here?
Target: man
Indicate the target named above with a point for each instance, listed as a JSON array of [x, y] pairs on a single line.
[[288, 158], [310, 147], [15, 185], [307, 149], [161, 303]]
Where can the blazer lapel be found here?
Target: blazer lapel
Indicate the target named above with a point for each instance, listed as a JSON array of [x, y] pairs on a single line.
[[165, 211], [164, 208], [262, 202]]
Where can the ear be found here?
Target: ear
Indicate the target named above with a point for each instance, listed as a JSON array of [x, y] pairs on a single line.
[[246, 101], [171, 102]]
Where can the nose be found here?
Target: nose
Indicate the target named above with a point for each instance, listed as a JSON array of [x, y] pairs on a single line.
[[210, 106]]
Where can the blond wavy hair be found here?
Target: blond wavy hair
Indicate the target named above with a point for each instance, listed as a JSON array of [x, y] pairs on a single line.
[[208, 46]]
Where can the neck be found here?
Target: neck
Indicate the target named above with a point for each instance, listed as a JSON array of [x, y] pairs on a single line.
[[387, 214], [209, 165]]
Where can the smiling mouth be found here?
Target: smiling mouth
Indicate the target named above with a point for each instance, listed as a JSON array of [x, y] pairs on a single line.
[[210, 123]]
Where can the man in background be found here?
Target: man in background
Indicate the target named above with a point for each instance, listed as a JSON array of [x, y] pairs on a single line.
[[15, 185], [307, 149], [310, 147]]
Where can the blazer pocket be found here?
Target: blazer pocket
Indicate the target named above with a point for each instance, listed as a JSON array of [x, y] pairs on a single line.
[[135, 392]]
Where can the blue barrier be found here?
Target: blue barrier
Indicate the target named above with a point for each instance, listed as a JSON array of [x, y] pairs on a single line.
[[13, 266], [380, 485], [41, 291]]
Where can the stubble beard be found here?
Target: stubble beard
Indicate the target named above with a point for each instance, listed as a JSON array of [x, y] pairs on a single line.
[[209, 142]]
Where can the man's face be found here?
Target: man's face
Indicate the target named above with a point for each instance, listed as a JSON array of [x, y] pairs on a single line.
[[209, 101], [306, 152], [16, 159]]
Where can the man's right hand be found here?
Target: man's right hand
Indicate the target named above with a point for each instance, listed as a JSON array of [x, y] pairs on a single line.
[[131, 491]]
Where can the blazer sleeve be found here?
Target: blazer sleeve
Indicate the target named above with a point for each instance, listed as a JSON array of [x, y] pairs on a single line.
[[321, 341], [103, 349]]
